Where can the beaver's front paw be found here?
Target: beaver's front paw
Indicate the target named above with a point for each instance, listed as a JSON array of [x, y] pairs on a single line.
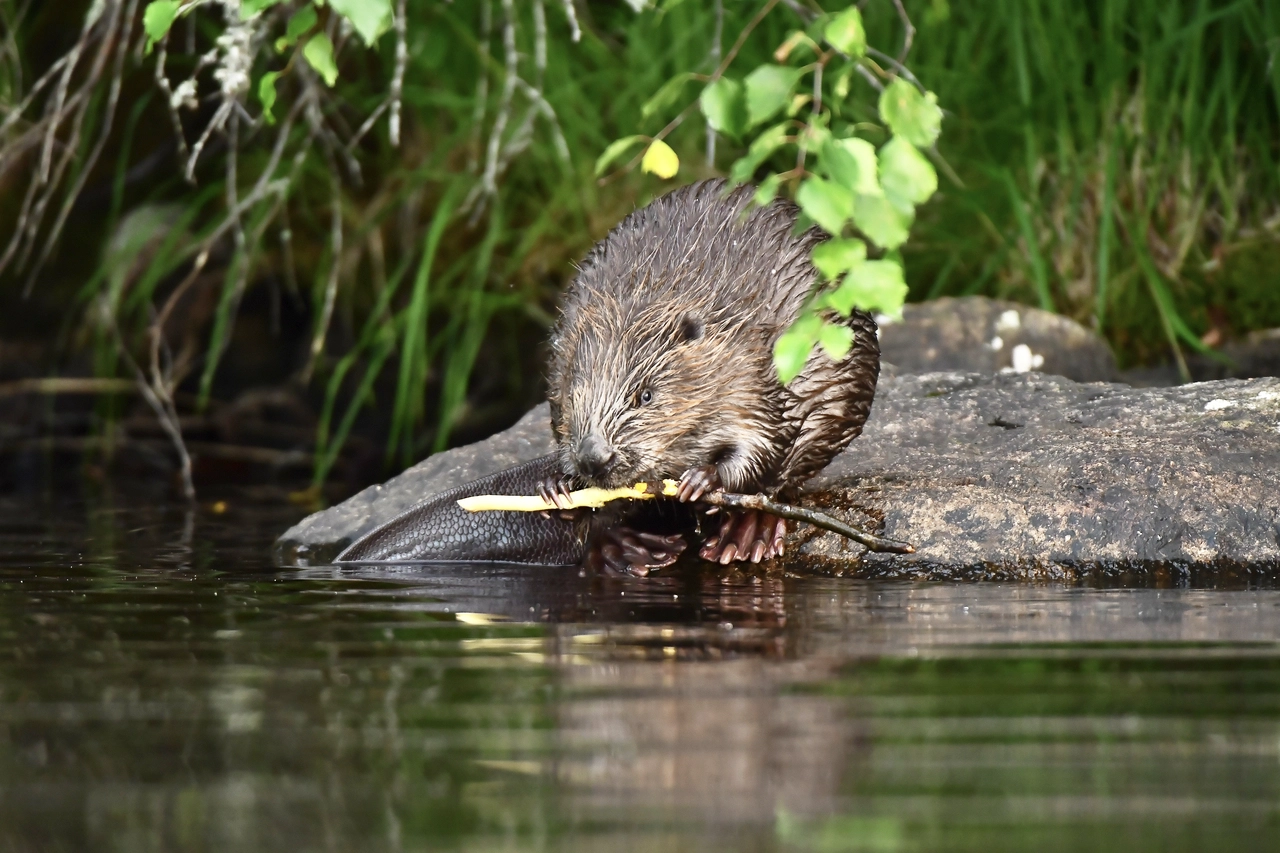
[[696, 482], [555, 489]]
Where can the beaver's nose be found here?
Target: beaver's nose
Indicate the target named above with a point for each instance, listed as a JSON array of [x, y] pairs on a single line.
[[594, 456]]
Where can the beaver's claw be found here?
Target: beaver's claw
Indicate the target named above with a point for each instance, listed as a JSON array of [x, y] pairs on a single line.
[[696, 482], [555, 489]]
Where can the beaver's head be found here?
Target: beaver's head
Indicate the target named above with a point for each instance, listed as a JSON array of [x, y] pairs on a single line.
[[642, 392]]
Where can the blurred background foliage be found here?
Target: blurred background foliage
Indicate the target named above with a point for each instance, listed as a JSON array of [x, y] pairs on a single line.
[[367, 294]]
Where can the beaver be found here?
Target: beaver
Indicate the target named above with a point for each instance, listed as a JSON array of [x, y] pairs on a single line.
[[661, 366]]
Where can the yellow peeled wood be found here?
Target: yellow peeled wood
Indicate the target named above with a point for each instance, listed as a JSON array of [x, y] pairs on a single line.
[[590, 498]]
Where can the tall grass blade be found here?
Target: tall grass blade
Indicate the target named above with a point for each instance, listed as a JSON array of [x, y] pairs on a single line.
[[1039, 271], [414, 365]]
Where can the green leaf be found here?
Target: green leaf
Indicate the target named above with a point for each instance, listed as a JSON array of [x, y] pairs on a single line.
[[660, 160], [871, 286], [838, 164], [724, 106], [662, 99], [249, 8], [157, 19], [267, 94], [615, 151], [886, 225], [371, 18], [830, 205], [794, 345], [318, 51], [907, 176], [838, 256], [301, 22], [768, 190], [864, 153], [836, 340], [846, 34], [911, 114], [768, 91], [764, 145]]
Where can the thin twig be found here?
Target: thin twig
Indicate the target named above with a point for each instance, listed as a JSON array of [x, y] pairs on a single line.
[[866, 74], [732, 500], [575, 32], [397, 78], [166, 413], [488, 186], [539, 44], [86, 168], [903, 71], [171, 102], [482, 87], [64, 109], [544, 107], [909, 34], [16, 112], [716, 36]]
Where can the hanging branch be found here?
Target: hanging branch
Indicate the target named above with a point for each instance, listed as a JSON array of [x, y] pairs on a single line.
[[68, 109]]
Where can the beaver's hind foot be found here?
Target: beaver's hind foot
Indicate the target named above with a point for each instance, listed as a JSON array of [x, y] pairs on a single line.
[[624, 551], [746, 535]]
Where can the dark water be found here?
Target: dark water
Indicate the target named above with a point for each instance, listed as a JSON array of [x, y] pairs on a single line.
[[163, 687]]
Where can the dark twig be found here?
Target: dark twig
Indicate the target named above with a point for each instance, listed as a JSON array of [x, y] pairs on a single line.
[[909, 33], [715, 57], [732, 500]]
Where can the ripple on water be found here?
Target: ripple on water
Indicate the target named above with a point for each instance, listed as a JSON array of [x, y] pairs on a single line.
[[162, 686]]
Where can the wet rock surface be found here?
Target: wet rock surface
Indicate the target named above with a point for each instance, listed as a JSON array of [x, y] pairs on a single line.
[[980, 335], [995, 476]]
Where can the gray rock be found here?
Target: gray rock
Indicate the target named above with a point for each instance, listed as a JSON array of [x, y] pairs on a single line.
[[974, 334], [1013, 476], [1039, 476]]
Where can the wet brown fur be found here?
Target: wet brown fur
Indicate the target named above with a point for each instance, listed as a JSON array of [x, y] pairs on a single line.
[[685, 298]]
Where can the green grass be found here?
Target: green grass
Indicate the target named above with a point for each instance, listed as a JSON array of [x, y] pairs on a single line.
[[1116, 157]]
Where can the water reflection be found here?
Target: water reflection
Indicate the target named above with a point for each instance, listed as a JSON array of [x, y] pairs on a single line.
[[166, 689]]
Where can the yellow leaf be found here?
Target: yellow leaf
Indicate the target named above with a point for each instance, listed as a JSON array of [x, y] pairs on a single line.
[[660, 160]]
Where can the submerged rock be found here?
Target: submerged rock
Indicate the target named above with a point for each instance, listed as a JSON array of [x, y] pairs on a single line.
[[1014, 476], [980, 335]]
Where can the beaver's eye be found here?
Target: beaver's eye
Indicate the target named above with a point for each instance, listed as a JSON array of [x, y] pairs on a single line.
[[645, 397], [690, 328]]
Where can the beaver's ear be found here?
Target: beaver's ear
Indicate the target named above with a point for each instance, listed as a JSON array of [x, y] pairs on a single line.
[[691, 328]]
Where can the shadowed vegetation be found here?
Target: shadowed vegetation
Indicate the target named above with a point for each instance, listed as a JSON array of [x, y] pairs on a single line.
[[1116, 162]]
